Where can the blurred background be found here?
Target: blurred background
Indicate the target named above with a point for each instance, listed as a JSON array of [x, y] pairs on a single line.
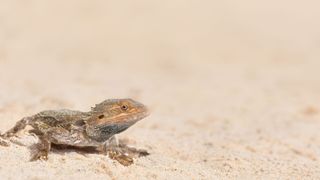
[[158, 33], [229, 79], [163, 43]]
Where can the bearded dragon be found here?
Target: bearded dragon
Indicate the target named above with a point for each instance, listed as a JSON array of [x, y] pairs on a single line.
[[96, 128]]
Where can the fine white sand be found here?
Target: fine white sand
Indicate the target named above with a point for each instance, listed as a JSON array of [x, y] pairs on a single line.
[[233, 88]]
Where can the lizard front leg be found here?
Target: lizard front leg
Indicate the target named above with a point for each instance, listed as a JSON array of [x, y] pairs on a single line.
[[120, 152], [41, 150], [112, 149], [110, 143]]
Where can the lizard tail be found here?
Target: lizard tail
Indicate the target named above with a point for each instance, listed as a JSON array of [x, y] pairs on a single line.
[[20, 125]]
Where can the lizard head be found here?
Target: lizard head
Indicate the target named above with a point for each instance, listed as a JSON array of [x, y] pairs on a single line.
[[114, 116], [120, 110]]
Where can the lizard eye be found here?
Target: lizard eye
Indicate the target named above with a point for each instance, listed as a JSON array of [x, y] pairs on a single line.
[[101, 116], [124, 107]]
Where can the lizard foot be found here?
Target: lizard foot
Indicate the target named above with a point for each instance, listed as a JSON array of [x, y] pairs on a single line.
[[39, 155], [124, 154], [122, 158], [3, 142]]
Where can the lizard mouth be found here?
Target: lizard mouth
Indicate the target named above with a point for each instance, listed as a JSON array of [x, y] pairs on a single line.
[[140, 114]]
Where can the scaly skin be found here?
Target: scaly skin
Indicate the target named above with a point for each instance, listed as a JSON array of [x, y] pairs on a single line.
[[95, 128]]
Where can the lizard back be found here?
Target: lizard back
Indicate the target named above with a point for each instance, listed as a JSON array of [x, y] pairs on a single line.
[[63, 118]]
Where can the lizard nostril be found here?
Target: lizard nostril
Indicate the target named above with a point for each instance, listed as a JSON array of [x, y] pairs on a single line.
[[101, 116]]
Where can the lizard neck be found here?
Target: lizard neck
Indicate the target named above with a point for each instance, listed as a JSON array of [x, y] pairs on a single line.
[[104, 132]]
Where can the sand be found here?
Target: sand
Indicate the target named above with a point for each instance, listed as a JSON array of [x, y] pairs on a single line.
[[233, 88]]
